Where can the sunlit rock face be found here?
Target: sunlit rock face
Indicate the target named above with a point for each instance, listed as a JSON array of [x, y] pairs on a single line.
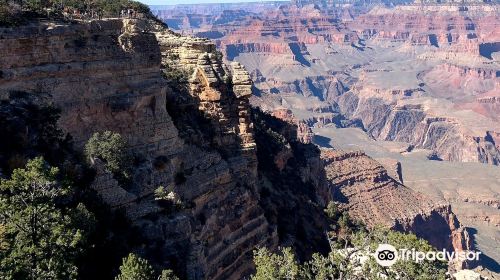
[[186, 117], [332, 55], [365, 188]]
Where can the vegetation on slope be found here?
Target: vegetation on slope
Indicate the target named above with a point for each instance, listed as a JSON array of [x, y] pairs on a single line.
[[350, 256], [137, 268], [52, 224], [14, 12], [73, 237], [42, 240], [290, 202], [110, 148], [289, 198]]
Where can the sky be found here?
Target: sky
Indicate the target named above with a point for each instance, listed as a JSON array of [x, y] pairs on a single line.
[[174, 2]]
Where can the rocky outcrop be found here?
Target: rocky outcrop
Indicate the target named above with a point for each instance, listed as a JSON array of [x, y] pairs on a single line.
[[425, 74], [187, 120], [303, 132], [243, 179], [84, 69], [293, 185], [465, 72], [363, 187], [291, 36]]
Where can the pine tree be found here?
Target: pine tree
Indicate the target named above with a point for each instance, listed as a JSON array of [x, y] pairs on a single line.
[[275, 266], [39, 240], [135, 268], [111, 148]]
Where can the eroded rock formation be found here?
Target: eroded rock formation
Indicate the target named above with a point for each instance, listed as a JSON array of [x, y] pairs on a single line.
[[364, 187], [323, 47], [244, 179], [105, 75]]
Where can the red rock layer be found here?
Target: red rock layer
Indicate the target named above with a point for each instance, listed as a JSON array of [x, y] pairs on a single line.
[[365, 189]]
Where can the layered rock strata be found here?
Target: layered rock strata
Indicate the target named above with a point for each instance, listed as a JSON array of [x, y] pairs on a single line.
[[425, 74], [187, 120], [456, 41], [105, 75], [304, 133], [364, 188]]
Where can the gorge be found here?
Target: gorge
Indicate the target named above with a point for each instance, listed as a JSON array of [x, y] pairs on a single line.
[[411, 85], [390, 112]]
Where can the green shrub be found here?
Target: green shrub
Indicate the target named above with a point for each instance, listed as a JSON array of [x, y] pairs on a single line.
[[168, 274], [340, 263], [39, 239], [37, 6], [135, 268], [175, 76], [9, 13], [13, 12], [168, 199], [111, 148], [109, 8], [332, 210], [349, 241], [275, 266]]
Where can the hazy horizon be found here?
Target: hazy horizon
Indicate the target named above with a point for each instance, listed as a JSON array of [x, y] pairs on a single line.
[[177, 2]]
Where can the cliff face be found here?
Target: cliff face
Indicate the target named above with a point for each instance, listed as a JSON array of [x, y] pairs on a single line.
[[365, 188], [105, 75], [187, 120], [424, 74], [421, 126], [86, 70]]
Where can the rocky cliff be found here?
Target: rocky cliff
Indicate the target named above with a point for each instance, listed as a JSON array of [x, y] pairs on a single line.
[[364, 187], [425, 74], [324, 48], [377, 197], [105, 75], [187, 121]]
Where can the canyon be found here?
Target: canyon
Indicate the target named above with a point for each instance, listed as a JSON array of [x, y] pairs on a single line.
[[409, 91], [243, 178]]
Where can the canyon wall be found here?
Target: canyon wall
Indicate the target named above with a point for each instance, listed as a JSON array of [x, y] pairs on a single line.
[[377, 197], [423, 73], [187, 121], [105, 75], [243, 179], [452, 63], [364, 188], [421, 127]]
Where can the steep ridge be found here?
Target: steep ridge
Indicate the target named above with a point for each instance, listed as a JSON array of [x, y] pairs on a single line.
[[424, 127], [425, 74], [187, 120], [364, 187]]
